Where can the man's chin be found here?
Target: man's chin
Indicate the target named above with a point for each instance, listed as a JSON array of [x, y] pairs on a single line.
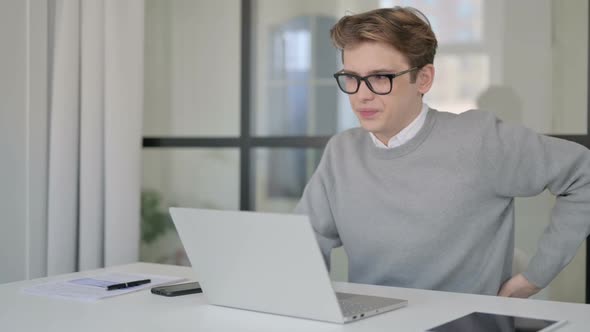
[[370, 127]]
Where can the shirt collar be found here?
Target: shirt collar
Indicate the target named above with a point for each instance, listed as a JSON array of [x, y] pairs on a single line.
[[405, 134]]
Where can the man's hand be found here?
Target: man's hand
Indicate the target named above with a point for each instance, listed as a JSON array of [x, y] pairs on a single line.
[[518, 286]]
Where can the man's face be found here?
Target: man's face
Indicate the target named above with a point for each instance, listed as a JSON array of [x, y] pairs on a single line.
[[383, 115]]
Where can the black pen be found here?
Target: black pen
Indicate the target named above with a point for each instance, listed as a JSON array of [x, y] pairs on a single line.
[[129, 284]]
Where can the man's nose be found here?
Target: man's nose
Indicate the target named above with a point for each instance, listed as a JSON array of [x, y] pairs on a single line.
[[364, 92]]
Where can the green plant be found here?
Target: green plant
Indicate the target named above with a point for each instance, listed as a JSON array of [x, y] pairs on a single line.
[[154, 222]]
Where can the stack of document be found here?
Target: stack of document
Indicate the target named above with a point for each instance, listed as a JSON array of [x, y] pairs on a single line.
[[96, 287]]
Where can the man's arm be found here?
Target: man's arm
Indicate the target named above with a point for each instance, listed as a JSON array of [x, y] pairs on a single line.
[[528, 163], [315, 203]]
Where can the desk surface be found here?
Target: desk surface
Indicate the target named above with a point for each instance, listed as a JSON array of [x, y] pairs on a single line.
[[142, 311]]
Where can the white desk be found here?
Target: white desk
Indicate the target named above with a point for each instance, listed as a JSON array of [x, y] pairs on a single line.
[[142, 311]]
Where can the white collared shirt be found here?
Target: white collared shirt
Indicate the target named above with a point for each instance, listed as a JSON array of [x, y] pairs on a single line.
[[405, 134]]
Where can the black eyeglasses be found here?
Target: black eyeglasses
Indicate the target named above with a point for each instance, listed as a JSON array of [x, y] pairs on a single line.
[[380, 84]]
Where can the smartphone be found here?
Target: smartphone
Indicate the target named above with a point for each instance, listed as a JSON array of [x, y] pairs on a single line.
[[178, 289]]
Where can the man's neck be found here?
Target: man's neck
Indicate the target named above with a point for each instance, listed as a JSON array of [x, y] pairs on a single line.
[[386, 137]]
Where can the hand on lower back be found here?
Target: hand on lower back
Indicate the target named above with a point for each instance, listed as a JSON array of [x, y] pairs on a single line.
[[518, 286]]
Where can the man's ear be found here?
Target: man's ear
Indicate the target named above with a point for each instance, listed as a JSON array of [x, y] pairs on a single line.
[[425, 78]]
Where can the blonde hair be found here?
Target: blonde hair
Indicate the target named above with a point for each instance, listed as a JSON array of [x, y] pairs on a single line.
[[405, 28]]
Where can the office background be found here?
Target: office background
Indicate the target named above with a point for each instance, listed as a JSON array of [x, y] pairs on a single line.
[[238, 101]]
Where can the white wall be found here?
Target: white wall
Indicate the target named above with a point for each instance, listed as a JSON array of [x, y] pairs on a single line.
[[545, 63], [570, 67], [23, 133]]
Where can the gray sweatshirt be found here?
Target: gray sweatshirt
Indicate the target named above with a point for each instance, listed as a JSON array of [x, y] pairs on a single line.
[[438, 211]]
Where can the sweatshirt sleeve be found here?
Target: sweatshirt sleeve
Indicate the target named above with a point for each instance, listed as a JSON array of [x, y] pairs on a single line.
[[315, 203], [525, 164]]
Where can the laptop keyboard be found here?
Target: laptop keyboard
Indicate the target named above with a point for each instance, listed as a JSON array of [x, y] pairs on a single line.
[[350, 308], [352, 304]]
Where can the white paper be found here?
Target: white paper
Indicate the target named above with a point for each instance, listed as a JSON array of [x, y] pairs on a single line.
[[69, 289]]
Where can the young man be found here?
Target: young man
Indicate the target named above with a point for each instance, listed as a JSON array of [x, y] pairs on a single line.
[[422, 198]]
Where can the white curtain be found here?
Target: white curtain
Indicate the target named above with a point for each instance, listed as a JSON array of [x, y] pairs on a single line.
[[96, 96]]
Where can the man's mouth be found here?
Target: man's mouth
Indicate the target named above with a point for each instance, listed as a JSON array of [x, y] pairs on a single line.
[[367, 113]]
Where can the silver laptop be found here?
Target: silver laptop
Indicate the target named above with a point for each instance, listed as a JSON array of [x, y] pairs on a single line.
[[268, 263]]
